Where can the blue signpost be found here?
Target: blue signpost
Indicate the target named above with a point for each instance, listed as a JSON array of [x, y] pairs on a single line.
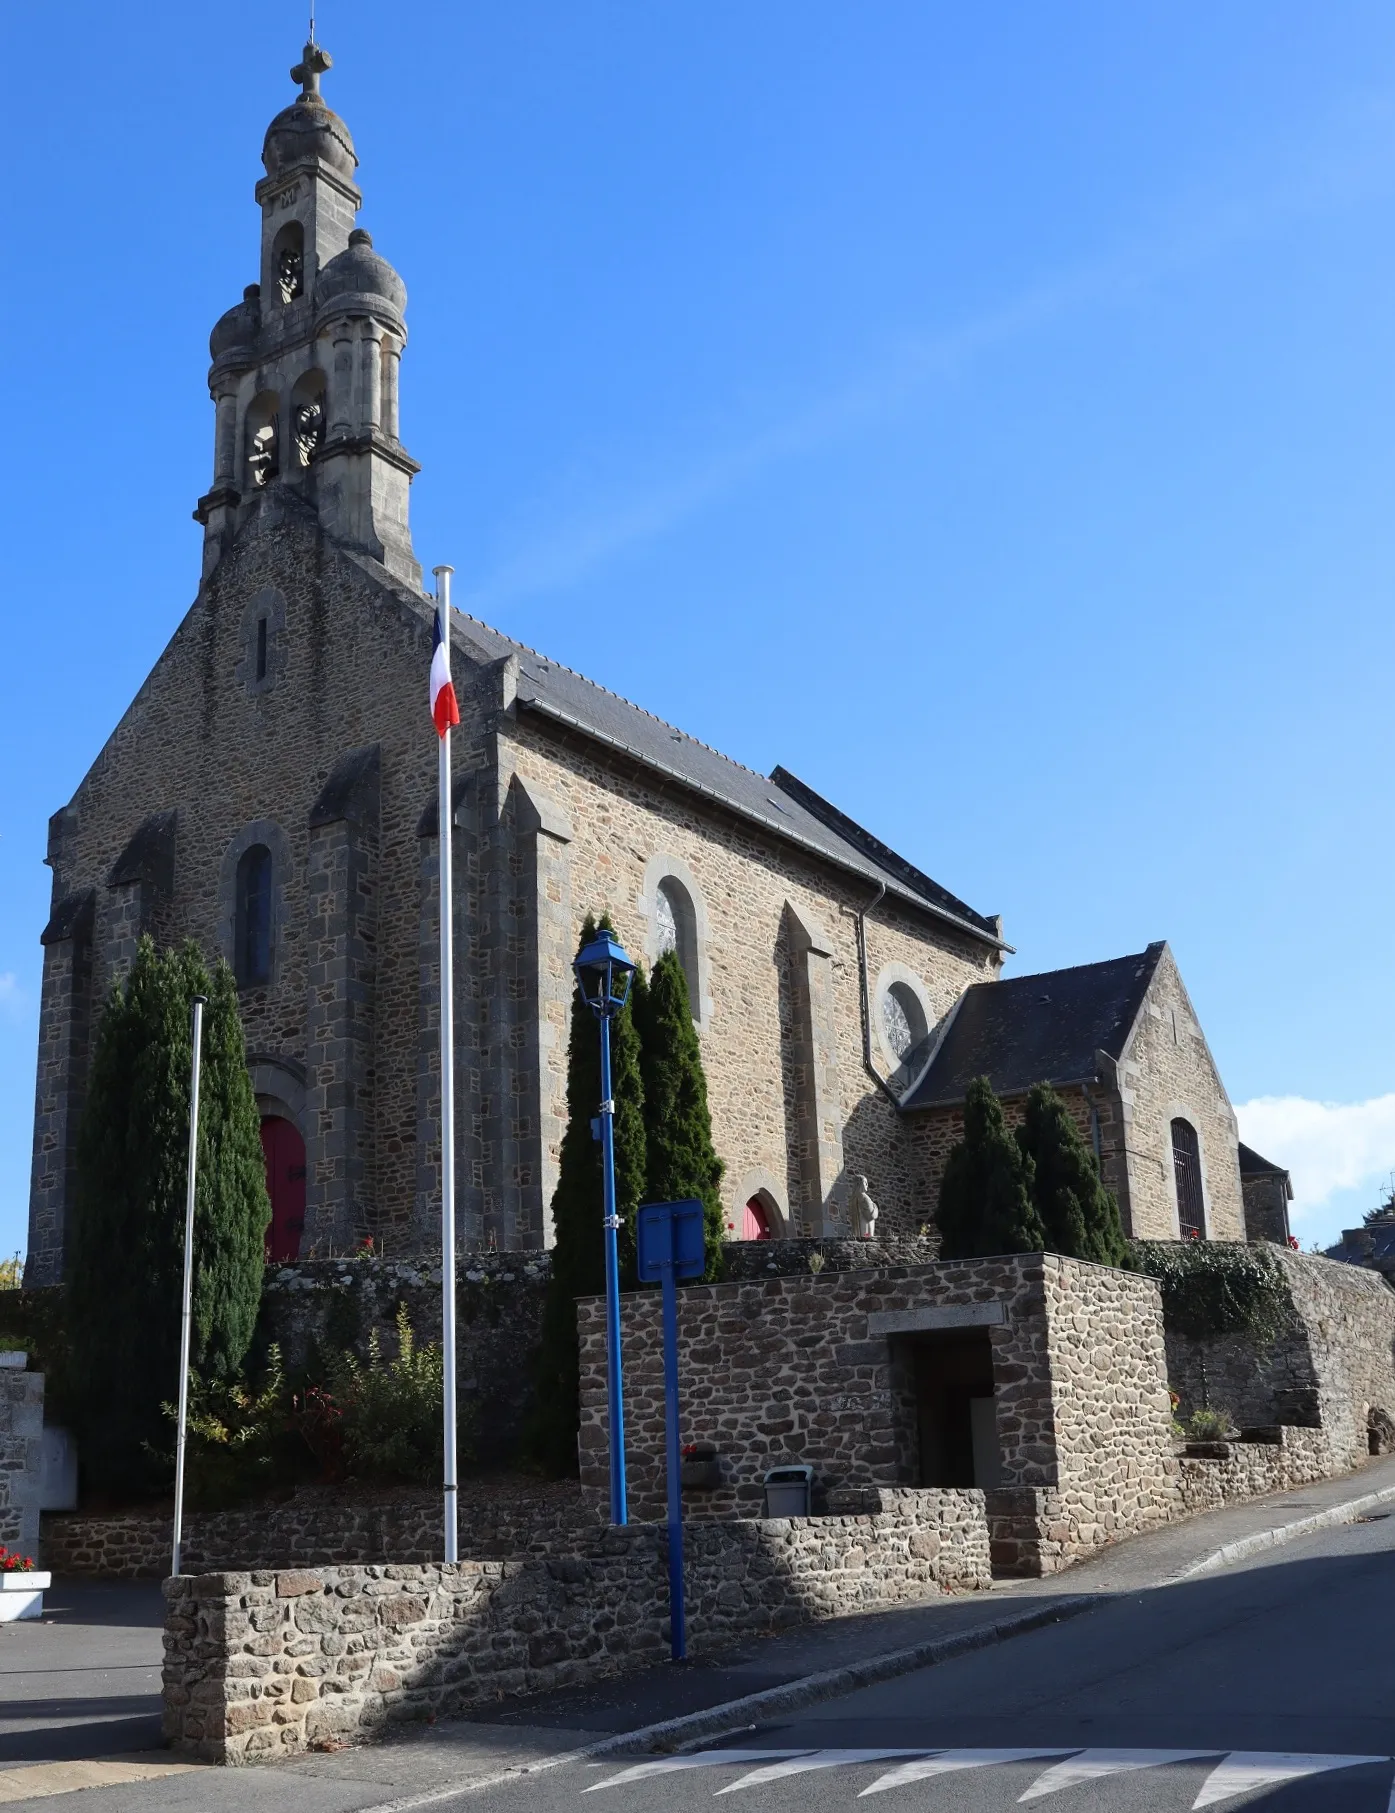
[[670, 1245]]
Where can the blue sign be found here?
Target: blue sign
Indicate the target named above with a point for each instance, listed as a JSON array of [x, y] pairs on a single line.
[[670, 1244], [670, 1234]]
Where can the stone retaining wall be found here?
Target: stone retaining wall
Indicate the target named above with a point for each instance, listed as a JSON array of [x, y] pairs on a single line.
[[332, 1304], [264, 1665], [1234, 1471], [1332, 1364], [820, 1370], [316, 1531]]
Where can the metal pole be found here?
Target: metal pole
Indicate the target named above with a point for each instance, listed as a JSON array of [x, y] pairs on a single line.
[[187, 1300], [677, 1619], [445, 813], [618, 1512]]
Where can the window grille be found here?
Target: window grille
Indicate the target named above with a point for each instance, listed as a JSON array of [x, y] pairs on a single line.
[[1186, 1165]]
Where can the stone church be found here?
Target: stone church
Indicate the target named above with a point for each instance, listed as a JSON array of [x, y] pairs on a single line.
[[271, 792]]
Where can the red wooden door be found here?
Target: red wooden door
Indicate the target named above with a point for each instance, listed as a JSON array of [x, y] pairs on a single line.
[[755, 1223], [284, 1151]]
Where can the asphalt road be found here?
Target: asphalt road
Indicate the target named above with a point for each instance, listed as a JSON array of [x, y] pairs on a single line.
[[1257, 1672]]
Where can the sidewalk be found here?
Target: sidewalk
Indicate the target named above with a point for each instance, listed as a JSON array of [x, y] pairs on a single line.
[[86, 1685]]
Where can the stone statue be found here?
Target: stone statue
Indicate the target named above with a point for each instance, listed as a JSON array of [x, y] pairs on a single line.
[[862, 1211]]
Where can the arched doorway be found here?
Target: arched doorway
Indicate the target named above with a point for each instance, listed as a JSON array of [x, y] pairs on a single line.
[[755, 1221], [284, 1152]]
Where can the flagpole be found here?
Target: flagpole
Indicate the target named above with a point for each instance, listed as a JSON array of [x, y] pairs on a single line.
[[445, 814], [186, 1316]]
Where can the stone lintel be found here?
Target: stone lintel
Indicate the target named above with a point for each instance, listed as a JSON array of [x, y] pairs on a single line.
[[944, 1315]]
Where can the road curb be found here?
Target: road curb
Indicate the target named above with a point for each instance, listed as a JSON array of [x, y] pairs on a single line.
[[1245, 1546], [751, 1708]]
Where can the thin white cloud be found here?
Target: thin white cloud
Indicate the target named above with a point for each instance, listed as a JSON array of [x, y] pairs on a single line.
[[11, 997], [1327, 1146], [1349, 162]]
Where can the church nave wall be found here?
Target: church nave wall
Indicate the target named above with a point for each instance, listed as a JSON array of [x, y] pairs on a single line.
[[620, 833]]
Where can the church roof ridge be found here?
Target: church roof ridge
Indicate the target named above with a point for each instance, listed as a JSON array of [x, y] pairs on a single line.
[[597, 711], [610, 692]]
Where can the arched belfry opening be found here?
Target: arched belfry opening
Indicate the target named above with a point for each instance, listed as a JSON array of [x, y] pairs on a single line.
[[288, 262], [262, 440]]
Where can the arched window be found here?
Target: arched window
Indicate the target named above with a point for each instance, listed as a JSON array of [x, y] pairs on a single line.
[[675, 925], [253, 926], [1186, 1168]]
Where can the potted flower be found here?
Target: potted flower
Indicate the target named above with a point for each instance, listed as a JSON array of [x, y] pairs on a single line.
[[21, 1586]]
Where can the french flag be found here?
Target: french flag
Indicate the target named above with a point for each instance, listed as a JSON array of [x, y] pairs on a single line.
[[444, 710]]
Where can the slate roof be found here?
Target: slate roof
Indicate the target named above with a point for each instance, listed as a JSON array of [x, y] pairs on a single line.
[[780, 804], [1252, 1165], [1036, 1029]]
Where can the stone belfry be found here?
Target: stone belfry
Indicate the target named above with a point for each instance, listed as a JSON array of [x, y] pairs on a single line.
[[305, 368]]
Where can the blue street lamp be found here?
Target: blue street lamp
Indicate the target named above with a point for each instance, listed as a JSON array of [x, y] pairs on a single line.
[[604, 974]]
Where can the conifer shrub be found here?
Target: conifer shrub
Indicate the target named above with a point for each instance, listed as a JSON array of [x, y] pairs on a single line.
[[986, 1205], [126, 1259], [681, 1159], [578, 1252], [1079, 1217]]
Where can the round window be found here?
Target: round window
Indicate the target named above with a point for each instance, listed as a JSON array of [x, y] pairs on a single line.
[[903, 1020]]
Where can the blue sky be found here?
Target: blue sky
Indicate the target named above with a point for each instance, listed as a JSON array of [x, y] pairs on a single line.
[[984, 412]]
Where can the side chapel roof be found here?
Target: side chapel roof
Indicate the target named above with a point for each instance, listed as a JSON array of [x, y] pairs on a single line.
[[1037, 1029], [780, 803]]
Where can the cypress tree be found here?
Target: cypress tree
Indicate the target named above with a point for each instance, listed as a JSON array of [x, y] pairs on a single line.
[[986, 1196], [682, 1161], [128, 1230], [1080, 1217], [578, 1213]]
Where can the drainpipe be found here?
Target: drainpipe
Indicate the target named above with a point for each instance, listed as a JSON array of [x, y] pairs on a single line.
[[865, 994]]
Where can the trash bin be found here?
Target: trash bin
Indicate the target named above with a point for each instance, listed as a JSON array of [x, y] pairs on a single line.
[[787, 1491]]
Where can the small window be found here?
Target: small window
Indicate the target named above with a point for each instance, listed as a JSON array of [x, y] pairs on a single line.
[[261, 648], [254, 916], [676, 927], [1186, 1168]]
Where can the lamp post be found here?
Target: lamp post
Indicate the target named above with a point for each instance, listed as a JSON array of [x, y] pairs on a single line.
[[603, 974]]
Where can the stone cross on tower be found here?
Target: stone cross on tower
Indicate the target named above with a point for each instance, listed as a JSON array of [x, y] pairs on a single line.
[[312, 65]]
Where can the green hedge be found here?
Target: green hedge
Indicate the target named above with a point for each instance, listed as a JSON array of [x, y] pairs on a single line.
[[1214, 1288]]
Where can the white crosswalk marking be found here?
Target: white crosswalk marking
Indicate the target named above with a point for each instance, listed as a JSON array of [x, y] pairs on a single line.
[[817, 1759], [701, 1759], [947, 1761], [1243, 1770], [1234, 1772], [1090, 1765]]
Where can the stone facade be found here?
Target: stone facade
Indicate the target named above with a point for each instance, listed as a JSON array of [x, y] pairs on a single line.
[[264, 1665], [837, 1372], [1168, 1072], [21, 1457]]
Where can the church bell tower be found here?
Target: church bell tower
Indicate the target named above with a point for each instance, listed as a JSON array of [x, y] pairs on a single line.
[[305, 368]]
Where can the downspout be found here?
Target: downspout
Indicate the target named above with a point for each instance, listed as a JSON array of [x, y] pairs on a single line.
[[865, 995]]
